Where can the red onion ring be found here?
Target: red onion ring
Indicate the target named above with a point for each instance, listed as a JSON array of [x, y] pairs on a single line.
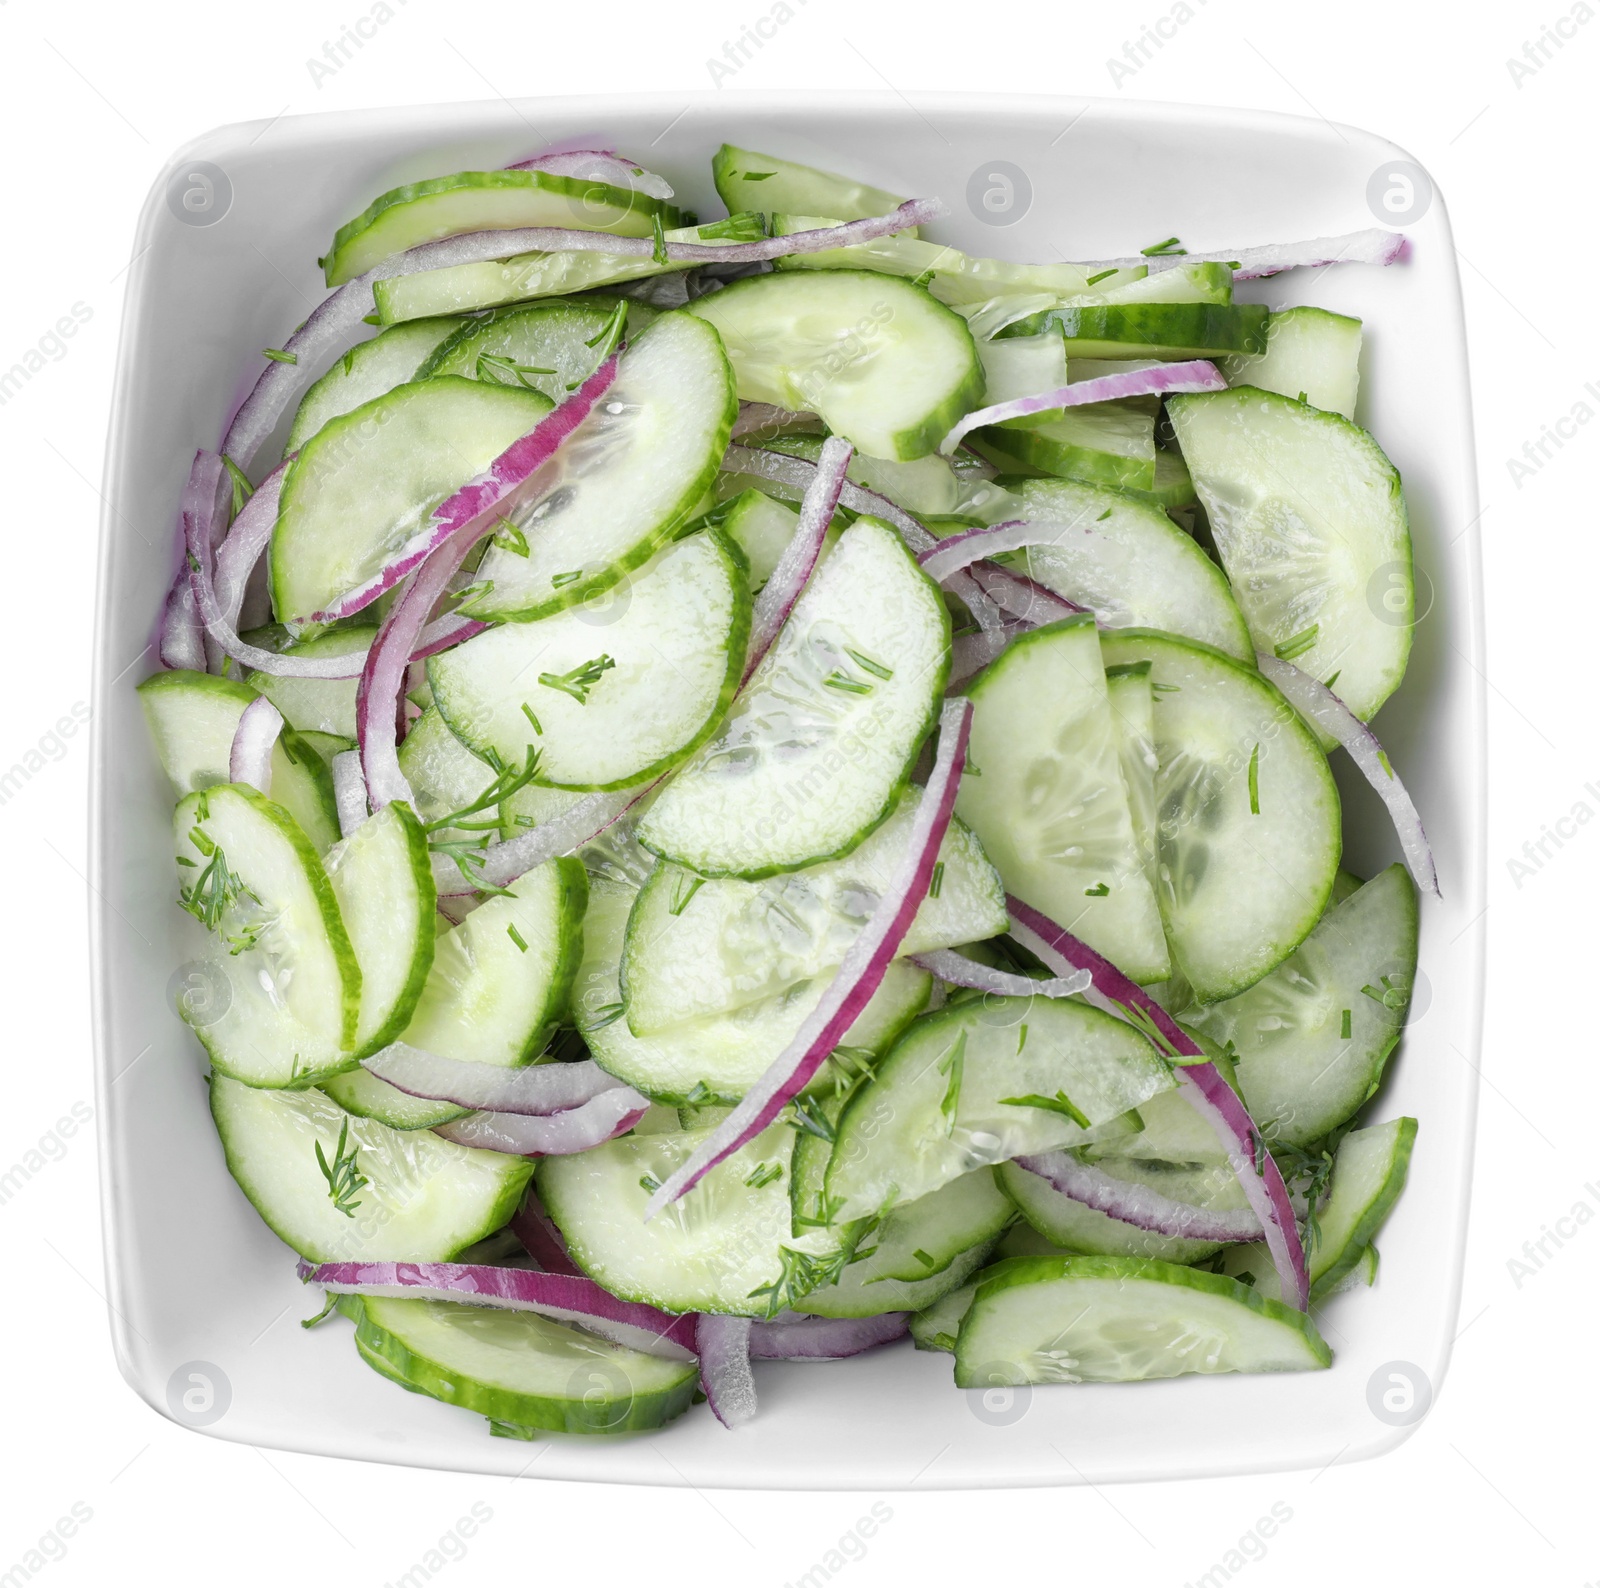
[[349, 791], [792, 1337], [245, 544], [1201, 1084], [959, 971], [768, 416], [723, 1345], [202, 519], [528, 1089], [564, 1297], [1139, 1205], [1196, 375], [542, 1240], [592, 162], [857, 978], [1371, 247], [250, 756], [1316, 702], [573, 1130]]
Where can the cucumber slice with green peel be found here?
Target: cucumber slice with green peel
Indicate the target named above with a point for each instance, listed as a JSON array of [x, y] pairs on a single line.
[[1346, 883], [936, 1326], [634, 472], [445, 776], [520, 1370], [865, 1295], [251, 877], [977, 1084], [710, 1252], [604, 706], [318, 705], [499, 983], [1369, 1173], [810, 758], [521, 278], [762, 527], [697, 947], [382, 876], [326, 746], [1075, 1227], [192, 719], [1172, 1133], [1074, 1320], [365, 486], [1173, 488], [1201, 281], [1308, 517], [1112, 443], [1133, 712], [1050, 805], [368, 370], [1022, 366], [1312, 355], [716, 1059], [746, 180], [484, 201], [928, 487], [883, 362], [1247, 813], [1313, 1036], [1158, 329], [422, 1199], [547, 347]]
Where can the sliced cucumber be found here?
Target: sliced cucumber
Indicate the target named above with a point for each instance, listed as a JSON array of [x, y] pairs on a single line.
[[979, 1083], [488, 999], [365, 486], [746, 180], [1311, 355], [495, 283], [606, 706], [1308, 517], [1074, 1320], [445, 776], [520, 1370], [1022, 366], [192, 719], [249, 874], [1152, 329], [716, 1059], [819, 741], [928, 487], [318, 705], [484, 201], [424, 1199], [1112, 443], [547, 347], [382, 876], [368, 370], [936, 1326], [1313, 1036], [698, 947], [865, 1295], [1247, 813], [881, 360], [1048, 801], [635, 472], [709, 1252], [1133, 712], [1369, 1173], [1070, 1224], [762, 527], [1125, 560]]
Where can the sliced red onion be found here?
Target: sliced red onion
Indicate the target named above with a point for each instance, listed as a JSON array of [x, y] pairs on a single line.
[[595, 162], [565, 1297], [203, 516], [723, 1345], [578, 143], [181, 640], [349, 791], [1201, 1084], [246, 543], [551, 1135], [1371, 247], [1316, 702], [1139, 1205], [857, 978], [755, 417], [791, 1337], [340, 316], [537, 1231], [250, 757], [1019, 597], [1195, 375], [443, 633], [529, 1089], [782, 590], [959, 971]]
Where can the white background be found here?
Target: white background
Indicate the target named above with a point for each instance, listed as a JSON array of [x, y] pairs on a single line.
[[1496, 1481]]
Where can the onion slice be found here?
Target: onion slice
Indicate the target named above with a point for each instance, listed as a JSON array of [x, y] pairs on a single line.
[[1200, 1082], [250, 756], [856, 980], [959, 971], [1194, 375], [245, 544], [723, 1345], [1139, 1205], [542, 1240], [202, 518], [782, 590], [564, 1297], [595, 161], [792, 1337], [572, 1130], [530, 1089], [755, 417], [1371, 247], [1317, 703], [349, 791]]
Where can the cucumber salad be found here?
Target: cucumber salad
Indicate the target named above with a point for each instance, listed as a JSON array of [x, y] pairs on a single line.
[[753, 788]]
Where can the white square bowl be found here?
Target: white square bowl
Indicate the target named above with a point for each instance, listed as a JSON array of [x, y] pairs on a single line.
[[195, 1277]]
